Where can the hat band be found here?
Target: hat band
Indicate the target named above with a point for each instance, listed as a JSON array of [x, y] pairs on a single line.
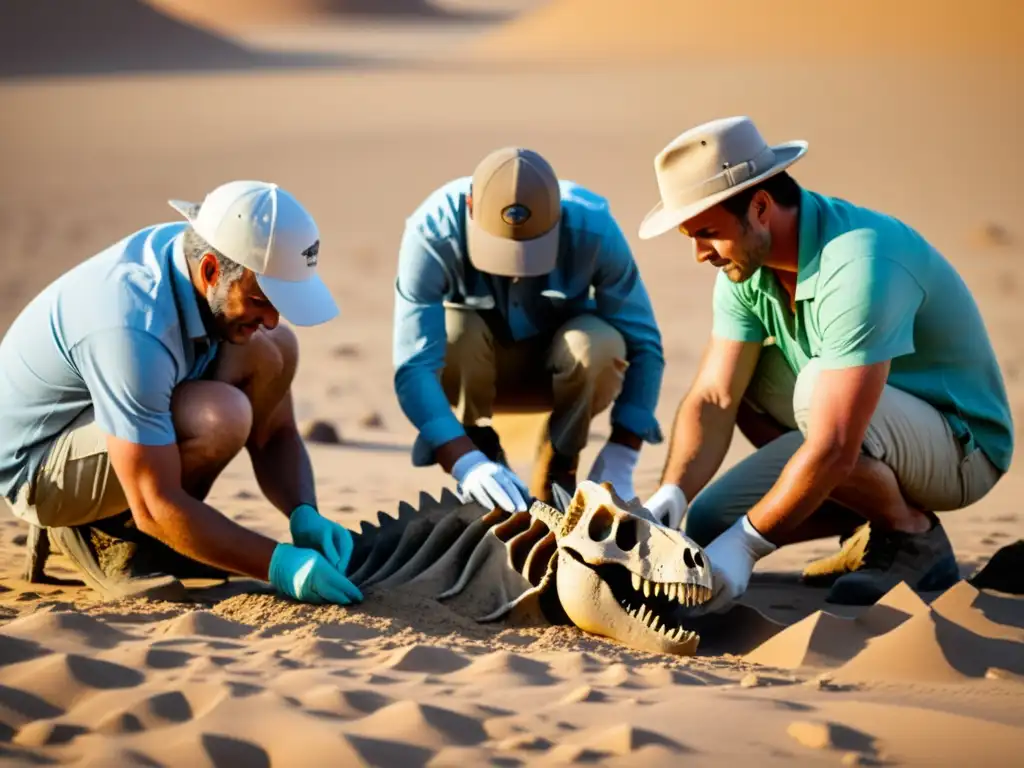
[[731, 176]]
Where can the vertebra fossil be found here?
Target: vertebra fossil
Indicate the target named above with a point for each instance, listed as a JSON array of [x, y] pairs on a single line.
[[600, 564]]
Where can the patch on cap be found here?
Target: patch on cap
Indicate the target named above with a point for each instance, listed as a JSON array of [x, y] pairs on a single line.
[[312, 254], [516, 214]]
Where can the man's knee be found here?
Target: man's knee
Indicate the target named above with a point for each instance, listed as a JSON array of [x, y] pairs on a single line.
[[588, 343], [707, 517], [286, 347], [214, 414], [469, 337]]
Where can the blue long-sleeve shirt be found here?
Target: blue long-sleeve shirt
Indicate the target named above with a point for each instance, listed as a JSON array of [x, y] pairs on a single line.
[[595, 273]]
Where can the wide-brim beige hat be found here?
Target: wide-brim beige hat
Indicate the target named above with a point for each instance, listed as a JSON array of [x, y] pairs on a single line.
[[710, 163]]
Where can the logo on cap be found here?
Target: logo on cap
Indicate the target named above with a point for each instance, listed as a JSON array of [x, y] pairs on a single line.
[[515, 214], [311, 254]]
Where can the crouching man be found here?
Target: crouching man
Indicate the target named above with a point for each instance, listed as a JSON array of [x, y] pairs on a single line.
[[848, 351], [519, 291], [129, 383]]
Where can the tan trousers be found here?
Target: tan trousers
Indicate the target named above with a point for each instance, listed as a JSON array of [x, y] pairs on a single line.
[[906, 433], [75, 484], [576, 373]]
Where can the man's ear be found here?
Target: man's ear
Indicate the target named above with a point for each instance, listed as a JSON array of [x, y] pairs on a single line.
[[761, 207], [209, 268]]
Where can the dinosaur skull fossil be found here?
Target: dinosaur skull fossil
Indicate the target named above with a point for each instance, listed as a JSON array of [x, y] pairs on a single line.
[[601, 565], [625, 577]]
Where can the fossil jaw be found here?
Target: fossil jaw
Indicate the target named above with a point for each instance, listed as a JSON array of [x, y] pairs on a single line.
[[622, 576]]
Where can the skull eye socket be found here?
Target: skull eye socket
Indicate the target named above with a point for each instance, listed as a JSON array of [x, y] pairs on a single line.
[[699, 559], [625, 536], [601, 524], [688, 559]]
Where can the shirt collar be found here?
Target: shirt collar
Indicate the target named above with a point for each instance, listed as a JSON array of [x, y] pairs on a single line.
[[185, 292], [809, 255]]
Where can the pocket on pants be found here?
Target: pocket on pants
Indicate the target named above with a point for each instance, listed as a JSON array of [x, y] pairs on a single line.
[[977, 477]]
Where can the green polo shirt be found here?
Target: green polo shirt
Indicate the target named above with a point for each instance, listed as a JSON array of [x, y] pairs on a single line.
[[870, 288]]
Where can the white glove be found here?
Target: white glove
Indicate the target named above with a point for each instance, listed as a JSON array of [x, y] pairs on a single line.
[[615, 464], [489, 484], [732, 557], [668, 505]]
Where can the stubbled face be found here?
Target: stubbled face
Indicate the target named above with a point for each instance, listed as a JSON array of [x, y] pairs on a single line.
[[237, 307], [624, 577], [739, 247]]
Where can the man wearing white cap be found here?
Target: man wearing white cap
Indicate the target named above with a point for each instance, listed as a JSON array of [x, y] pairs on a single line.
[[131, 381], [852, 356], [516, 290]]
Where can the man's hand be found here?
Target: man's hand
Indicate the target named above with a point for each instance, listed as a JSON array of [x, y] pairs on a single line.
[[668, 505], [304, 574], [615, 464], [312, 530], [732, 557], [489, 484]]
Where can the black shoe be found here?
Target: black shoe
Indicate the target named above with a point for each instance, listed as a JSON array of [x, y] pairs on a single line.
[[924, 561]]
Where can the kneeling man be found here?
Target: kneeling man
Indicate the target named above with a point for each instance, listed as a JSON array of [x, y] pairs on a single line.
[[848, 351], [519, 291], [130, 382]]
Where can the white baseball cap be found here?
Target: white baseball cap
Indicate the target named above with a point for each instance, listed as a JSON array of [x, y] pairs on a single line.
[[264, 228]]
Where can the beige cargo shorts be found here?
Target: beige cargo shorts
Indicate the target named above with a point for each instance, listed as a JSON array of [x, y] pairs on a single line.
[[75, 483]]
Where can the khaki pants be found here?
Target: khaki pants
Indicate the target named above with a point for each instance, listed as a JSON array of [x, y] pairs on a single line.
[[75, 483], [906, 433], [575, 373]]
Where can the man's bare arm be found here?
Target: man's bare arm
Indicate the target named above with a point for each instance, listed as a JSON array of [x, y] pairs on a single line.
[[704, 422], [151, 478], [841, 409]]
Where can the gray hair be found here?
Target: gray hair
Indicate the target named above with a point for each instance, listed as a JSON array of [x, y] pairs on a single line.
[[196, 247]]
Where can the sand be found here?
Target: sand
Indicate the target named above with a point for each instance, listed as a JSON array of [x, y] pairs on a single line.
[[609, 30], [244, 677]]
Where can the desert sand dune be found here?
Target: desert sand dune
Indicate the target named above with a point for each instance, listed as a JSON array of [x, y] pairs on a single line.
[[78, 37], [615, 32], [241, 13]]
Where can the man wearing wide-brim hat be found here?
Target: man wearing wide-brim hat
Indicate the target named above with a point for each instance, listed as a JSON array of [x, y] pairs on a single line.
[[848, 351], [517, 290]]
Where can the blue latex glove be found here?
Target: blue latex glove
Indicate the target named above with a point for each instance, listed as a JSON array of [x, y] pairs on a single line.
[[305, 575], [312, 530]]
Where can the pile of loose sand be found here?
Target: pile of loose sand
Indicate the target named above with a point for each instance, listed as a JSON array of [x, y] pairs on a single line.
[[612, 31], [254, 679]]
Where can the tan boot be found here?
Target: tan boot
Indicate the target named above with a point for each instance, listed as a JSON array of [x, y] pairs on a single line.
[[824, 571], [552, 468]]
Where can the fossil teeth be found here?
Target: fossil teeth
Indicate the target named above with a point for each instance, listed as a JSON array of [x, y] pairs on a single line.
[[636, 581], [657, 589], [647, 588], [670, 591], [654, 622], [642, 614]]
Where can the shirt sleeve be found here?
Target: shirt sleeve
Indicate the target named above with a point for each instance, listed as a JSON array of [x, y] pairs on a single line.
[[731, 318], [622, 301], [130, 376], [419, 345], [866, 312]]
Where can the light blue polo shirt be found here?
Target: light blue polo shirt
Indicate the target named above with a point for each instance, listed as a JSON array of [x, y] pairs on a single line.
[[118, 332], [870, 288]]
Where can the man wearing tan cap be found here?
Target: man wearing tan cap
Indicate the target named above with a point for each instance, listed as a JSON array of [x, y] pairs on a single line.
[[848, 351], [130, 382], [517, 290]]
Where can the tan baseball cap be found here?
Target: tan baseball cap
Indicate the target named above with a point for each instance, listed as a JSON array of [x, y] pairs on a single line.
[[517, 207]]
